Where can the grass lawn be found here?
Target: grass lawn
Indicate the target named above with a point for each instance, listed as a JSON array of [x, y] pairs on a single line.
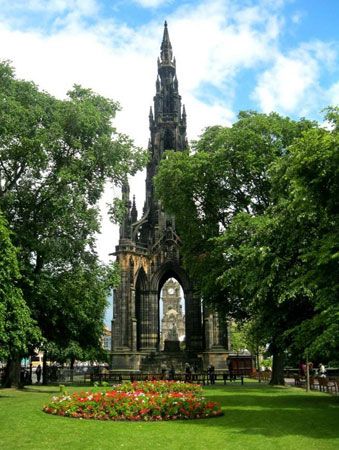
[[256, 416]]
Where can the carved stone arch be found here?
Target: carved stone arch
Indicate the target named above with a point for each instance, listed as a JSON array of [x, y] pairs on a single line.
[[170, 269], [193, 311], [141, 279]]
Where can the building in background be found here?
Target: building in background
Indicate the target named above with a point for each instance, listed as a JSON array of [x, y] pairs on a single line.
[[173, 319], [107, 339]]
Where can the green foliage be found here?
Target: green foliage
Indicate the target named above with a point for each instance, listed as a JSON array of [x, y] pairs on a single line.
[[18, 331], [257, 209], [246, 336], [308, 179], [226, 174], [56, 156]]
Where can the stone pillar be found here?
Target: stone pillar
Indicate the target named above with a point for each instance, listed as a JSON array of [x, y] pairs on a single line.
[[143, 320], [133, 322], [153, 341], [216, 341], [208, 328], [193, 322], [218, 333], [120, 338]]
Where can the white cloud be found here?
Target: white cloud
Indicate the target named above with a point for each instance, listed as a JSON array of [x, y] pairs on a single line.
[[216, 39], [83, 7], [284, 86], [297, 17], [292, 84], [333, 95], [152, 3]]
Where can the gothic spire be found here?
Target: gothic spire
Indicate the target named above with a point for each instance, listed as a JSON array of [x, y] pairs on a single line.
[[166, 47], [134, 211], [126, 222]]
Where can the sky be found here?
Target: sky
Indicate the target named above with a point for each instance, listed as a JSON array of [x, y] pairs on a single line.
[[231, 55]]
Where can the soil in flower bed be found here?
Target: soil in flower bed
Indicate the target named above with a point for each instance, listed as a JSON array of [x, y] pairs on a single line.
[[151, 400]]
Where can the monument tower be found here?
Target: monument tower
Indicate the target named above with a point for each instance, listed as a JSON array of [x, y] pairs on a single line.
[[149, 249]]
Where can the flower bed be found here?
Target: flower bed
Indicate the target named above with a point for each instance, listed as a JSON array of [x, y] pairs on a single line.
[[157, 400]]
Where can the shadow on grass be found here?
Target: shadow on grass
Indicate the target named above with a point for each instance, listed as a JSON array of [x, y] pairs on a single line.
[[45, 390], [276, 412], [290, 402]]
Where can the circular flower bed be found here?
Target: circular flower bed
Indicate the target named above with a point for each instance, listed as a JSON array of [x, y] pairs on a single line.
[[150, 400]]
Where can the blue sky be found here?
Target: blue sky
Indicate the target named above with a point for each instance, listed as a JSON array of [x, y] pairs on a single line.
[[231, 55]]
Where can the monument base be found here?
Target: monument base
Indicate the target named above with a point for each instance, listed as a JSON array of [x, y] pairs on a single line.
[[172, 346], [215, 357], [124, 360]]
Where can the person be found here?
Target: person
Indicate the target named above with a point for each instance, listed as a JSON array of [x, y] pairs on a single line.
[[163, 370], [187, 372], [322, 370], [38, 373], [211, 374], [171, 373], [302, 369]]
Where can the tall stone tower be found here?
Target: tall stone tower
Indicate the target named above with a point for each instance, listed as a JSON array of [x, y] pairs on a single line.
[[149, 248]]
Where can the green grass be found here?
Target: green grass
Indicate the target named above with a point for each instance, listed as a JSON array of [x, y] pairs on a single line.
[[256, 416]]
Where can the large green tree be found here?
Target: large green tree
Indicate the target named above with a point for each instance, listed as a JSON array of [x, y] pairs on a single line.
[[56, 157], [18, 331], [306, 188], [283, 263], [220, 194]]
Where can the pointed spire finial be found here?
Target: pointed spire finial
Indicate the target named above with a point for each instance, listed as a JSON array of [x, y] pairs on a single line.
[[184, 115], [166, 47], [134, 211]]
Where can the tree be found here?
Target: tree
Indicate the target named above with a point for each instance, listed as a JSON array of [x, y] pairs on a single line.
[[307, 189], [18, 331], [56, 156], [219, 195], [257, 272]]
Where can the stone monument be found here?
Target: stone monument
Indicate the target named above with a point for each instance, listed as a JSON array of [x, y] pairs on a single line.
[[149, 250]]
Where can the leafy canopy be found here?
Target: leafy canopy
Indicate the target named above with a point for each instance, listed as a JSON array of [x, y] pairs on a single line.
[[56, 157]]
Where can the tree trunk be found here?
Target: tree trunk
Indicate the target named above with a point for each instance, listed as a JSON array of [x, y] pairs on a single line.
[[12, 373], [44, 369], [72, 369], [278, 368]]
